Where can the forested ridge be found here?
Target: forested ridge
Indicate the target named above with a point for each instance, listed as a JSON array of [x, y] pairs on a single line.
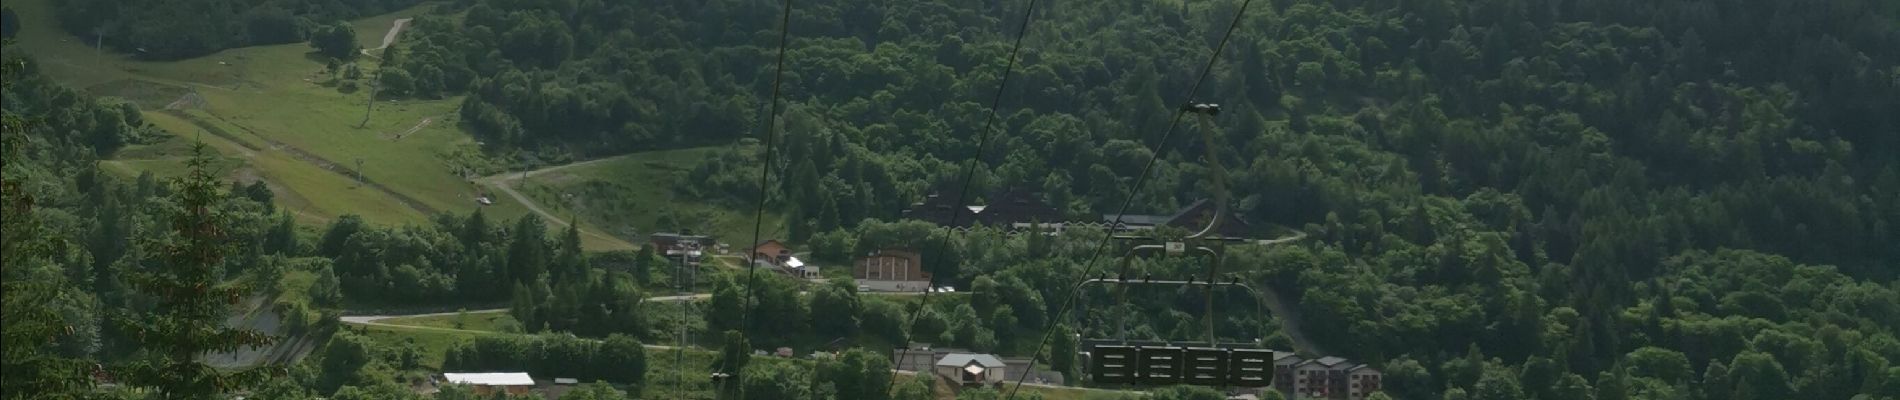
[[1675, 114], [1507, 199], [1511, 199], [176, 29]]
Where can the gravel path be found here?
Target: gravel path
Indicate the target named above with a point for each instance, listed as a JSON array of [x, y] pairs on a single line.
[[395, 28], [505, 183]]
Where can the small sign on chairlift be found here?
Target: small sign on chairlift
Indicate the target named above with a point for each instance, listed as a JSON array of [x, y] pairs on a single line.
[[1176, 248]]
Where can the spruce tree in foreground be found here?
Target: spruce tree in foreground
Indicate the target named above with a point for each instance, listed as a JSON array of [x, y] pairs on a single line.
[[189, 302]]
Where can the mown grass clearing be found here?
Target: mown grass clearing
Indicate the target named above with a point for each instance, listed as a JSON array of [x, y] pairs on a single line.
[[433, 343], [499, 322], [289, 178], [634, 193], [270, 107]]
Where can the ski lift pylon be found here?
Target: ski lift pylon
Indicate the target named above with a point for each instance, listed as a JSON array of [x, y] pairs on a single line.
[[1210, 363]]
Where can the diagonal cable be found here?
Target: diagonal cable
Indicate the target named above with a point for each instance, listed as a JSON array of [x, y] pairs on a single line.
[[969, 174], [765, 172]]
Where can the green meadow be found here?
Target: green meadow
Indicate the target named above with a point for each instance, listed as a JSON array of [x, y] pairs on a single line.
[[274, 113], [634, 194]]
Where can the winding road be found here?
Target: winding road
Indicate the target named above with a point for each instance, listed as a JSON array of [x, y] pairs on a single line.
[[373, 320], [505, 183]]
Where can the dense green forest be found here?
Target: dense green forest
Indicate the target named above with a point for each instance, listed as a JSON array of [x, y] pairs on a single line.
[[1507, 199], [175, 29], [1578, 110], [1538, 175], [139, 275]]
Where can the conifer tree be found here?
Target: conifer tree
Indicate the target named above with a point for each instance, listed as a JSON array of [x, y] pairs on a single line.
[[189, 303]]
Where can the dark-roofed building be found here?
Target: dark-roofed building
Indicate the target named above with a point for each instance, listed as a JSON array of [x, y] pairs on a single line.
[[1324, 378], [1012, 209], [1283, 362], [920, 356], [1365, 381], [941, 210], [1017, 207]]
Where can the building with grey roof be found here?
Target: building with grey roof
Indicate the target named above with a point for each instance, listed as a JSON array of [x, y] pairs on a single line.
[[966, 369]]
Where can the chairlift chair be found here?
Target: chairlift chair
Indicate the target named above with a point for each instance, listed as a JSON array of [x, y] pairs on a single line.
[[1212, 363]]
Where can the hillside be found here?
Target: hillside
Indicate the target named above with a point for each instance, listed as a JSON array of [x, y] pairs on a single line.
[[1493, 200], [1538, 186], [642, 190], [274, 111]]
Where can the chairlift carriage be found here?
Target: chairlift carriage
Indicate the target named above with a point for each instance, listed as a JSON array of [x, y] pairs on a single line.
[[1120, 361]]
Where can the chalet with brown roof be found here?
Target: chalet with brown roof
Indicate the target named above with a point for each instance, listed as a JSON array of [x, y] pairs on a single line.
[[891, 270], [772, 253]]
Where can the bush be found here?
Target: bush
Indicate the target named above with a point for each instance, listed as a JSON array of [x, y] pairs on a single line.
[[336, 40], [619, 359]]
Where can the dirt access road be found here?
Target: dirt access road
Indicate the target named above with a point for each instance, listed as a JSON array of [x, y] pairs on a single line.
[[505, 183], [395, 28]]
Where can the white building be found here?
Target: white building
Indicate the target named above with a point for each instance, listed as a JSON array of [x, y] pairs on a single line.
[[971, 369], [487, 383], [803, 270]]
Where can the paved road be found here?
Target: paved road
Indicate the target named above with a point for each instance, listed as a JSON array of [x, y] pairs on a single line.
[[373, 319], [505, 183], [376, 319], [1297, 236], [1044, 385]]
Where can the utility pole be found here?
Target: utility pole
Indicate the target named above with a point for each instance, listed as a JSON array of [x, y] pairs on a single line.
[[686, 273], [99, 38], [374, 83], [359, 171]]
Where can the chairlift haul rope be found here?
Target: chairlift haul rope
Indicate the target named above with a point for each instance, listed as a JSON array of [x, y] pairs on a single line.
[[765, 172], [969, 173]]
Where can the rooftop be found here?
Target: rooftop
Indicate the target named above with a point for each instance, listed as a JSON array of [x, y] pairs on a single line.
[[490, 378], [1139, 220], [958, 360]]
